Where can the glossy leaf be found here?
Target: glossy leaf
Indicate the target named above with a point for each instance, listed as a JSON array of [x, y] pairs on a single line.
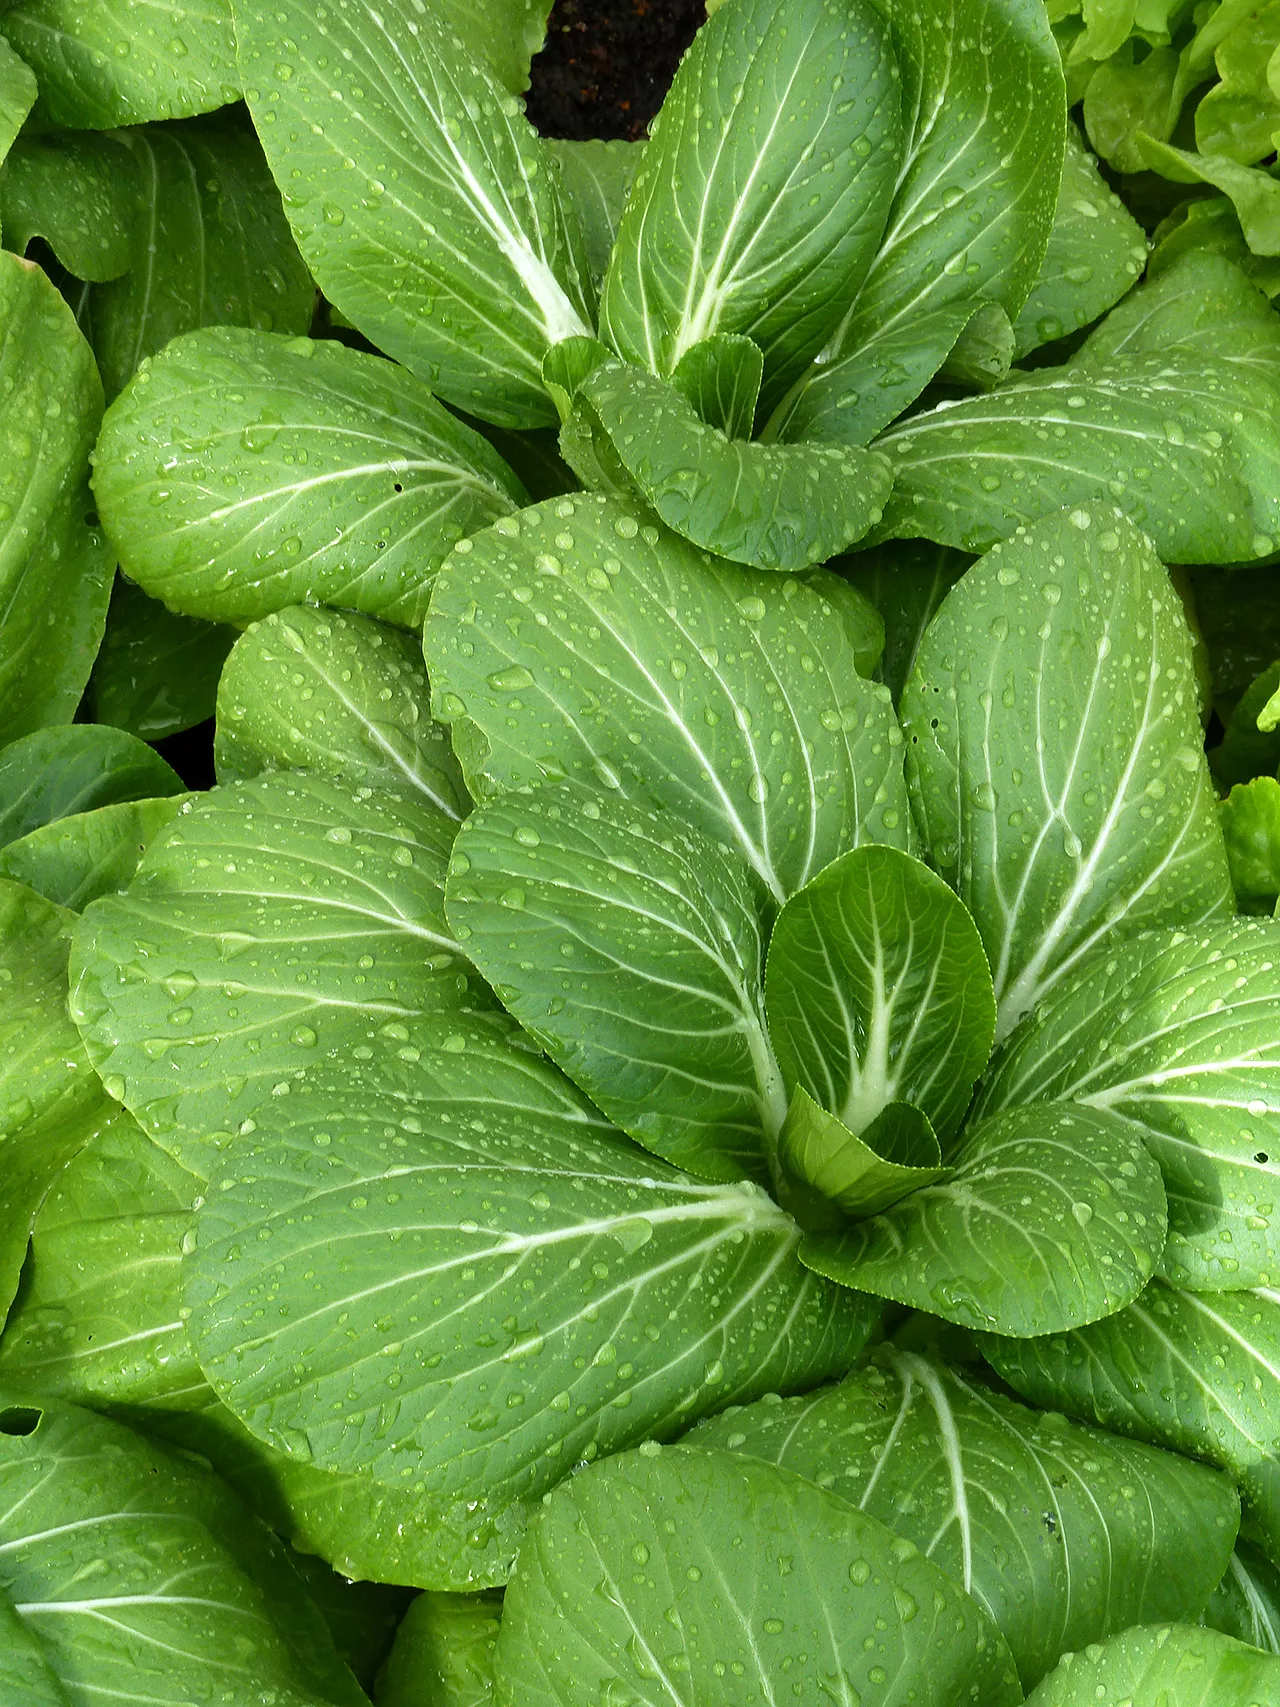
[[303, 470], [721, 378], [1209, 224], [763, 190], [751, 1583], [1176, 1031], [906, 581], [71, 769], [1169, 1666], [984, 118], [328, 691], [509, 33], [632, 952], [1051, 1216], [76, 858], [443, 1653], [774, 506], [1200, 304], [983, 353], [277, 922], [582, 640], [460, 258], [504, 1232], [121, 62], [879, 991], [1252, 191], [55, 567], [77, 191], [26, 1676], [18, 92], [137, 1570], [212, 247], [1251, 828], [156, 673], [1084, 653], [1063, 1534], [596, 177], [861, 1173], [1246, 1603], [1096, 252], [1195, 1372]]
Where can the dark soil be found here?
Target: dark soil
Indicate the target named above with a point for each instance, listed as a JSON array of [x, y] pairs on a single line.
[[607, 64]]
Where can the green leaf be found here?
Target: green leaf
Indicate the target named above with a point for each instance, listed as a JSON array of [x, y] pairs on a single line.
[[1252, 191], [55, 571], [984, 115], [78, 192], [55, 773], [764, 188], [860, 1173], [18, 92], [1246, 751], [139, 1571], [1246, 1603], [1127, 97], [276, 923], [906, 581], [1209, 224], [596, 177], [773, 506], [156, 673], [1052, 1216], [1085, 656], [1096, 252], [76, 858], [26, 1676], [582, 640], [1240, 621], [121, 62], [1063, 1534], [1196, 1372], [879, 991], [328, 691], [303, 470], [361, 1616], [459, 259], [1177, 1031], [550, 1291], [632, 952], [1200, 305], [1250, 817], [206, 192], [721, 378], [983, 353], [564, 367], [508, 33], [744, 1569], [443, 1653], [1240, 116], [1174, 1666]]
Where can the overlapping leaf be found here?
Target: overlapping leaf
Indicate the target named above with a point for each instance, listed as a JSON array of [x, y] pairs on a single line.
[[1163, 1666], [79, 191], [71, 768], [445, 1644], [1246, 1603], [73, 860], [156, 673]]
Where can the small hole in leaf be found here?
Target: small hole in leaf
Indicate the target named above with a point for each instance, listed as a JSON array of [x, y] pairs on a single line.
[[19, 1420], [397, 487], [1262, 1156], [91, 518]]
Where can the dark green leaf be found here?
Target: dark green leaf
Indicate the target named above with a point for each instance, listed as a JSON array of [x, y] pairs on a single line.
[[80, 193], [1052, 1216], [1239, 617], [631, 950], [458, 258], [213, 247], [58, 772], [1063, 1534], [27, 1678], [1169, 1666], [55, 567], [156, 673], [301, 470], [597, 177], [508, 33], [906, 581], [443, 1653], [582, 640], [983, 353], [1083, 657], [362, 1617], [721, 378], [860, 1173], [1246, 751], [328, 691], [1251, 827], [879, 991], [1246, 1603], [676, 1576], [75, 859], [542, 1290], [763, 190]]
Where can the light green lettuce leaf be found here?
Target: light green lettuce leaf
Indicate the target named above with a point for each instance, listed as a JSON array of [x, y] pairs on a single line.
[[302, 470], [1210, 224], [1085, 658], [1250, 818], [1252, 190], [1126, 97], [76, 858], [80, 192], [156, 672], [1240, 116], [581, 639], [751, 1572], [72, 768], [1064, 1534], [721, 378], [459, 259], [443, 1653], [1162, 1666], [859, 1173]]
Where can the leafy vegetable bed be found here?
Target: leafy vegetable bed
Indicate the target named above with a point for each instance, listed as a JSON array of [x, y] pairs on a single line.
[[695, 1119]]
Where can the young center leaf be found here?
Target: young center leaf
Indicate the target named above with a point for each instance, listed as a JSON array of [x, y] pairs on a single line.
[[1177, 1031], [1063, 1533], [55, 565], [721, 376], [276, 922], [582, 639], [906, 581], [879, 991], [542, 1291], [71, 768], [1163, 1666], [156, 673], [301, 469], [1196, 1372], [329, 691], [656, 1577], [860, 1173], [458, 257], [75, 859], [775, 506], [983, 122], [633, 952], [763, 190], [1051, 1216], [1069, 639]]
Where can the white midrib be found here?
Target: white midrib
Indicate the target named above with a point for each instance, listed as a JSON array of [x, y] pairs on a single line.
[[949, 1437], [871, 1083]]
